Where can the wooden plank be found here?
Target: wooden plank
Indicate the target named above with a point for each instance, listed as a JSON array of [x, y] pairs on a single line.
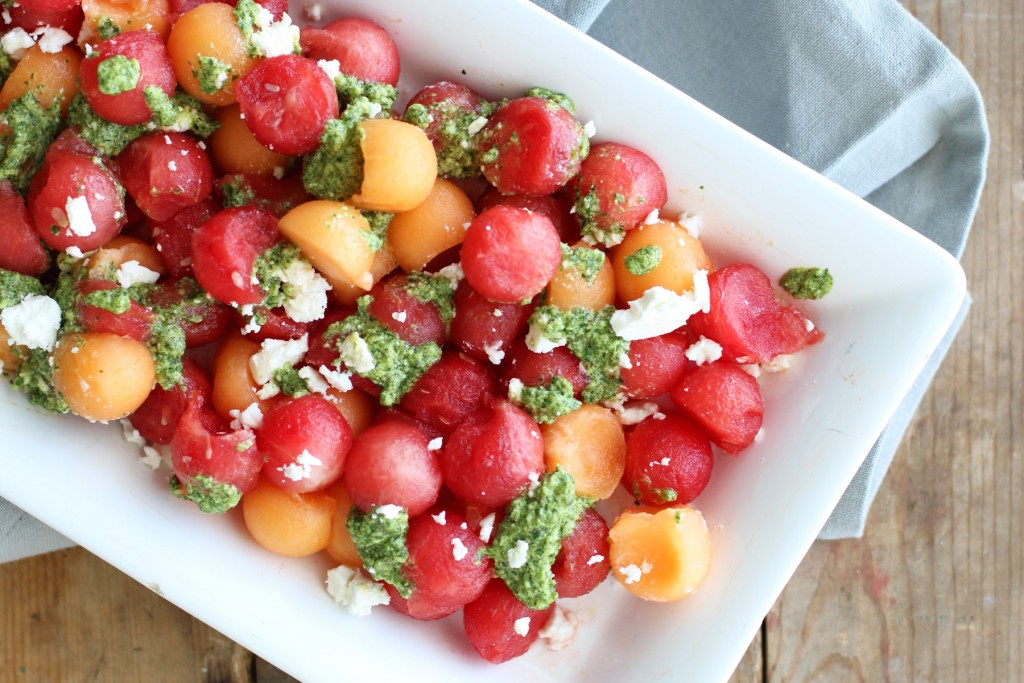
[[932, 592]]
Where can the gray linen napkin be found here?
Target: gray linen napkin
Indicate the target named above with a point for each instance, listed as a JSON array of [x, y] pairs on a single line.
[[856, 89]]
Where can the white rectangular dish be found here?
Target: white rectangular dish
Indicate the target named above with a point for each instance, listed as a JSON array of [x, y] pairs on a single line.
[[895, 295]]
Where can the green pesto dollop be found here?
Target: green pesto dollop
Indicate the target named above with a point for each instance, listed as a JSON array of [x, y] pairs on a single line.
[[351, 89], [246, 13], [547, 404], [34, 378], [540, 518], [434, 289], [67, 295], [589, 335], [458, 155], [584, 260], [179, 113], [396, 363], [118, 74], [32, 129], [14, 287], [287, 379], [211, 74], [380, 541], [668, 495], [335, 169], [209, 495], [7, 65], [117, 300], [588, 211], [558, 98], [108, 138], [235, 190], [807, 283], [268, 268], [167, 345], [643, 260], [378, 232], [106, 28]]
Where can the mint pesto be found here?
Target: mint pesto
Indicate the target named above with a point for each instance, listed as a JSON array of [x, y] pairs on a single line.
[[459, 155], [268, 268], [380, 95], [588, 210], [179, 113], [643, 260], [335, 169], [379, 537], [14, 287], [529, 538], [288, 380], [106, 28], [394, 365], [34, 378], [235, 190], [556, 97], [585, 261], [547, 404], [589, 335], [209, 495], [434, 289], [118, 74], [211, 74], [108, 138], [807, 283], [32, 128], [378, 233]]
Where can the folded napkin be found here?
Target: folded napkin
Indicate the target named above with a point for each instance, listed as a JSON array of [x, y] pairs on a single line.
[[856, 89]]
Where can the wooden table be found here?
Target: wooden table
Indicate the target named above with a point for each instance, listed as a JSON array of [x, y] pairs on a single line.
[[933, 592]]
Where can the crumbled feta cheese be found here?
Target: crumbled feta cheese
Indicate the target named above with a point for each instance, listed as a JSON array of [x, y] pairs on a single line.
[[151, 457], [487, 528], [279, 172], [268, 391], [306, 292], [660, 311], [624, 362], [351, 589], [400, 316], [131, 434], [522, 626], [172, 165], [533, 477], [595, 559], [342, 381], [631, 572], [251, 417], [538, 343], [692, 224], [459, 549], [476, 125], [375, 110], [494, 352], [276, 39], [133, 273], [16, 42], [808, 325], [518, 555], [74, 252], [752, 369], [453, 273], [313, 12], [355, 353], [275, 354], [302, 468], [515, 390], [33, 322], [652, 218], [560, 630], [435, 444], [780, 363], [314, 380], [635, 412], [79, 216], [703, 351], [440, 517], [497, 313], [52, 40], [389, 511], [6, 16], [590, 128]]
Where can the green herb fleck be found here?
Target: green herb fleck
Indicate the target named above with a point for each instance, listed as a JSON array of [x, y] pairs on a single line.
[[396, 363], [418, 115], [106, 28], [541, 519], [67, 295], [643, 260], [434, 289], [116, 300], [667, 494], [589, 335], [236, 191], [351, 89], [32, 129], [592, 223], [556, 97], [268, 268], [547, 404], [179, 113], [378, 233], [34, 378], [118, 74], [108, 138], [335, 169], [210, 495], [380, 542], [288, 380], [212, 74], [584, 260], [14, 287], [490, 156], [807, 283], [246, 13]]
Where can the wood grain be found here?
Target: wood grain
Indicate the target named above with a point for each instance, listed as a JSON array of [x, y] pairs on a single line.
[[933, 592]]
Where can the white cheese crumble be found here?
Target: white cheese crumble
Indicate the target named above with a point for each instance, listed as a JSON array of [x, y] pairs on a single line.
[[459, 549], [314, 380], [476, 125], [74, 252], [351, 589], [331, 67], [342, 381], [652, 218], [172, 165], [752, 369], [279, 171], [522, 626], [538, 343], [275, 354], [249, 418], [494, 352], [355, 353], [631, 572], [79, 216], [660, 311], [151, 457], [497, 313], [51, 39], [313, 12], [560, 630], [624, 362], [440, 518], [703, 351], [435, 444], [808, 325], [305, 290], [16, 42], [515, 390], [486, 528], [388, 511], [595, 559], [302, 468], [518, 555], [400, 316], [590, 128], [692, 224], [635, 412], [33, 322], [780, 363], [453, 274], [134, 273], [277, 38]]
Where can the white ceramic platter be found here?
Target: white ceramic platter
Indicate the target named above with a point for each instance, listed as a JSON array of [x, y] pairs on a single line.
[[895, 295]]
